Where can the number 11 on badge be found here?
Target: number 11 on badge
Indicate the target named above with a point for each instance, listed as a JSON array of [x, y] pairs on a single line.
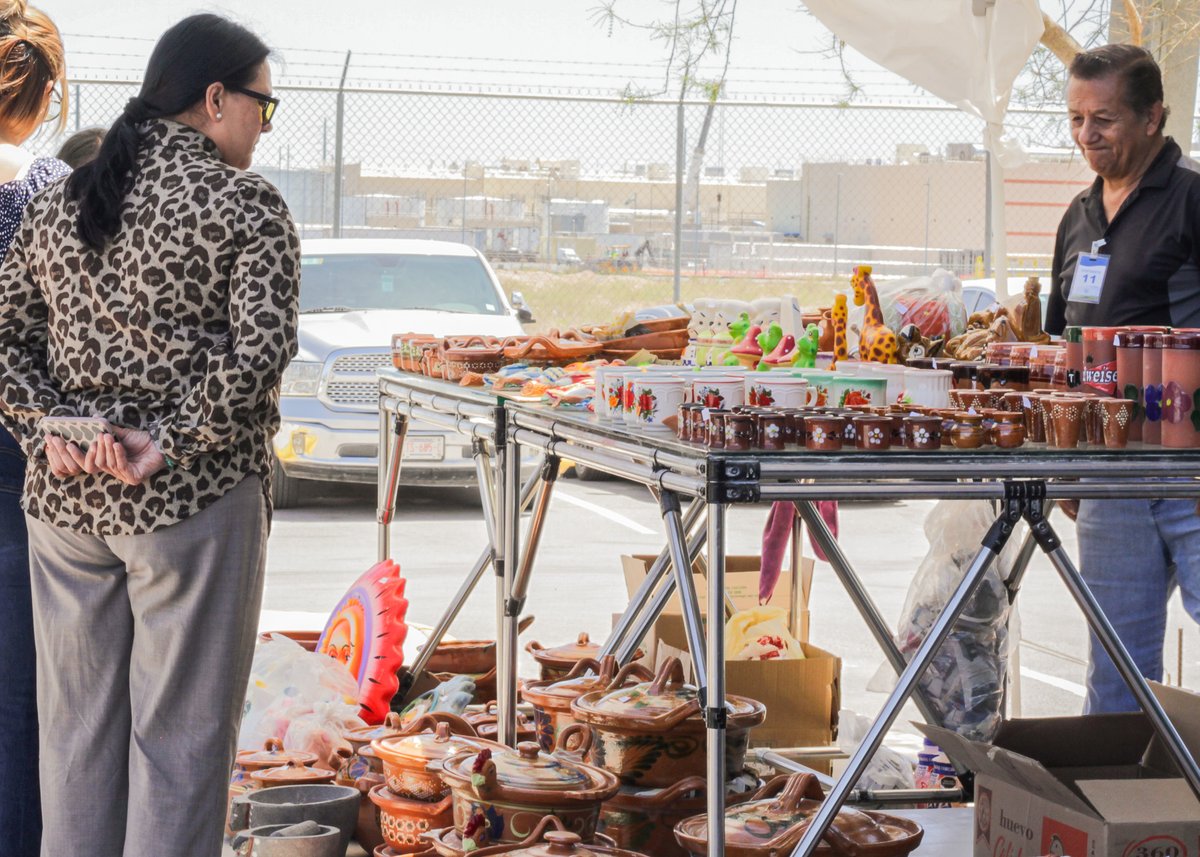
[[1090, 271]]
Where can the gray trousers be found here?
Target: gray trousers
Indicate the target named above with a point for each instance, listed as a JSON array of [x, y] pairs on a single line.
[[144, 646]]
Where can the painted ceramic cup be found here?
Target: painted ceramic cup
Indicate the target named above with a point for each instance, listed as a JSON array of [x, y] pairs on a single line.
[[1012, 402], [655, 398], [858, 390], [824, 432], [1181, 388], [1066, 415], [974, 400], [687, 420], [771, 431], [819, 381], [873, 433], [1008, 431], [1117, 418], [739, 432], [609, 386], [923, 432], [1152, 387], [716, 428], [719, 391], [769, 389]]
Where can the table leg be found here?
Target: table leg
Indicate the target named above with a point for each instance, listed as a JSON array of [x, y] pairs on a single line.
[[391, 451], [506, 649], [993, 543], [713, 699], [682, 568]]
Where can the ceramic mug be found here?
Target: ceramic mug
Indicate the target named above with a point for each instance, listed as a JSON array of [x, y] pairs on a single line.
[[857, 390], [819, 381], [824, 432], [774, 390], [719, 391], [923, 432], [873, 433], [655, 399], [610, 383]]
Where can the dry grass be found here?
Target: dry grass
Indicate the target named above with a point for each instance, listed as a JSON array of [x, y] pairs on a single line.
[[565, 299]]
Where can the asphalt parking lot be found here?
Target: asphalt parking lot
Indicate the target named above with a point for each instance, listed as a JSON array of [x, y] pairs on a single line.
[[319, 548]]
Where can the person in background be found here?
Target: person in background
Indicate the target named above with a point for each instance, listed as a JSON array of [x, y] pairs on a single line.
[[81, 147], [32, 77], [157, 289], [1145, 206]]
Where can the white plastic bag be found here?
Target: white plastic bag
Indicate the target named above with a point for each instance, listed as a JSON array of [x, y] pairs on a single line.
[[887, 769], [297, 693], [965, 683], [933, 303]]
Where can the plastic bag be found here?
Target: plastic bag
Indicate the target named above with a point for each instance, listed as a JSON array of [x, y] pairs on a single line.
[[965, 682], [933, 303], [887, 769], [293, 692], [760, 634]]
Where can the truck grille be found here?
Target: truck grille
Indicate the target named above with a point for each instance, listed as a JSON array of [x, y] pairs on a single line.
[[350, 380]]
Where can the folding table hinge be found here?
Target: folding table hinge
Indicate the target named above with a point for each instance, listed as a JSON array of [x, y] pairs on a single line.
[[513, 606], [550, 466], [733, 480], [716, 718], [500, 435]]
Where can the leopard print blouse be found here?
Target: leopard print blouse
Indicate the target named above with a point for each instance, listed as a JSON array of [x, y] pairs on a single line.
[[182, 326]]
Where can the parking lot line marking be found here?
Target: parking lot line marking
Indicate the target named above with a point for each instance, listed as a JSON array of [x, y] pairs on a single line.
[[603, 513], [1054, 681]]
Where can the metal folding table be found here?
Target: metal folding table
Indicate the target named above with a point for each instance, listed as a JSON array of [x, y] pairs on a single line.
[[1023, 481]]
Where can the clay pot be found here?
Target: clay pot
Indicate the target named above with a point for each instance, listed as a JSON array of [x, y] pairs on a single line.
[[772, 823], [1008, 431], [406, 759], [1065, 416], [968, 431], [923, 433], [478, 354], [292, 774], [653, 734], [1117, 418], [551, 700], [248, 762], [501, 794], [873, 433], [486, 723], [824, 432], [555, 663], [644, 819], [447, 843], [463, 657], [403, 821]]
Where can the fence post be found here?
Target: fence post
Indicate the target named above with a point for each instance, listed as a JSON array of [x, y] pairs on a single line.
[[338, 165], [679, 156]]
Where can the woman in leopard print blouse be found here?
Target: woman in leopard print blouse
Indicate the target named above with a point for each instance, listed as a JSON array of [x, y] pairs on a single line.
[[156, 288]]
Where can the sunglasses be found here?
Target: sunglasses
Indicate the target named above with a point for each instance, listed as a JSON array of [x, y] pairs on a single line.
[[266, 103]]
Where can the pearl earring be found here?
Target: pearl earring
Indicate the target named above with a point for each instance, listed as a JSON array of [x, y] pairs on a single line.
[[218, 117]]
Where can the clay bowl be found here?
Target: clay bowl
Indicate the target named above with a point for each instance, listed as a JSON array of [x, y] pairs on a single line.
[[403, 821], [386, 850], [472, 657]]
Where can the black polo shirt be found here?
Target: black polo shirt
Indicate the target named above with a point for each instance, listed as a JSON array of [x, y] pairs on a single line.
[[1153, 249]]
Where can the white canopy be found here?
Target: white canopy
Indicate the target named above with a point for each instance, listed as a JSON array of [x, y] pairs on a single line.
[[966, 52]]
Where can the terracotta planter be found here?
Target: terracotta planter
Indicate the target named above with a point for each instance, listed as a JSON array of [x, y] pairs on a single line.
[[652, 734], [773, 822], [404, 821], [644, 819], [501, 796], [551, 700], [406, 760]]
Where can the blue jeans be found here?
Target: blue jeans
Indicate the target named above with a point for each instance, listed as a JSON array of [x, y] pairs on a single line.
[[20, 807], [1133, 553]]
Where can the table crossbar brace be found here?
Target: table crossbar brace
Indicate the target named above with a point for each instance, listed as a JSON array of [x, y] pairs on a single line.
[[681, 568]]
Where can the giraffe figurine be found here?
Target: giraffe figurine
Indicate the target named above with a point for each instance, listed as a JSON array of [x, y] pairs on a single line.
[[877, 342], [837, 320]]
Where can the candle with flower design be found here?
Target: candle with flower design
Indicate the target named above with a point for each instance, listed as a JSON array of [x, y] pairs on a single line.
[[1181, 387]]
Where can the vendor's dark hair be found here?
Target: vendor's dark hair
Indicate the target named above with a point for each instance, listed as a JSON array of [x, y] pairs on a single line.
[[191, 56], [1134, 66]]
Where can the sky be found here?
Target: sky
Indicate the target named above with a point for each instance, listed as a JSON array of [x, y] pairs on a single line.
[[527, 43]]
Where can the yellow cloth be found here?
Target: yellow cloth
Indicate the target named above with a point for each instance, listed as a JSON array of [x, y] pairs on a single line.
[[759, 634]]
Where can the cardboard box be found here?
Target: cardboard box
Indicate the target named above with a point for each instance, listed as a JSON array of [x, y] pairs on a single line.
[[1094, 786], [741, 585], [802, 696]]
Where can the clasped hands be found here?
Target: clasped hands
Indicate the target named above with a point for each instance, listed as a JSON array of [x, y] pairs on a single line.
[[131, 456]]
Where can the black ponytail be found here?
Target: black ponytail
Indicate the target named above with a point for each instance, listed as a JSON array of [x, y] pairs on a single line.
[[191, 56]]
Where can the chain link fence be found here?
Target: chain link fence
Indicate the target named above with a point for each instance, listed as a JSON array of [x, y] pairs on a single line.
[[784, 196]]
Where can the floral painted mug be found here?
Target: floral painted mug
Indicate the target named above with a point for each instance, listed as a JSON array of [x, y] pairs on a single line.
[[719, 391], [776, 390], [655, 399]]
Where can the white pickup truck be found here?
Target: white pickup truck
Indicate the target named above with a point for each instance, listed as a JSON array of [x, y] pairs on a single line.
[[354, 294]]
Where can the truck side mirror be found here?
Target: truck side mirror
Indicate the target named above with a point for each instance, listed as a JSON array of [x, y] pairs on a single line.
[[524, 313]]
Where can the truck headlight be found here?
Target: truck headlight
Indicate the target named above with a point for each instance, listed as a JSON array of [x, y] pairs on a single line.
[[300, 378]]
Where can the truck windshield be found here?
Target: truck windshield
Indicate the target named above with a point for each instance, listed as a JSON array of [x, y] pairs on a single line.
[[393, 281]]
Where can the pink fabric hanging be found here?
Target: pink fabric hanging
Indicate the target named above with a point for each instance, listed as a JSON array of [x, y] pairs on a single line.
[[776, 535]]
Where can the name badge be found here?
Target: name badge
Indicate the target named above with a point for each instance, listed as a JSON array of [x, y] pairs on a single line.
[[1090, 271]]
